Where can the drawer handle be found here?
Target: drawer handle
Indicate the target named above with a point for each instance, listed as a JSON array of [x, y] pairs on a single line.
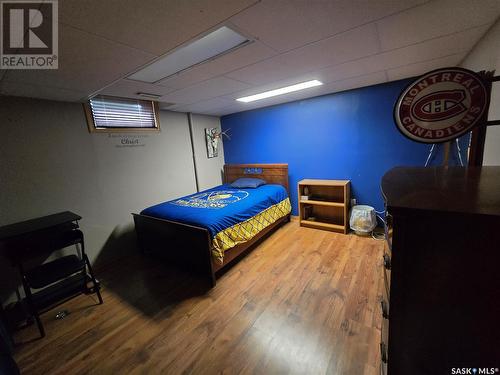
[[387, 226], [385, 313], [388, 219], [387, 262], [383, 352]]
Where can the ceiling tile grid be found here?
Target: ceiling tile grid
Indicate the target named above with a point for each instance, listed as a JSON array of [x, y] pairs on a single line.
[[213, 87], [86, 63], [129, 88], [337, 49], [285, 25], [39, 91], [435, 18], [344, 43], [347, 84], [154, 26], [425, 66]]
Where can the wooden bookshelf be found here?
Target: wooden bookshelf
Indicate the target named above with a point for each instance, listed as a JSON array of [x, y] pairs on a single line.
[[328, 205]]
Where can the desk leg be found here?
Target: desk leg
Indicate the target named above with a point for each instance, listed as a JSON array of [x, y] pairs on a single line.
[[91, 272], [31, 305], [94, 281]]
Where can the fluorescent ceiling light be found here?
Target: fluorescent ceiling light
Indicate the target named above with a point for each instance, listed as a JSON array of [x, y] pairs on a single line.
[[281, 91], [214, 44]]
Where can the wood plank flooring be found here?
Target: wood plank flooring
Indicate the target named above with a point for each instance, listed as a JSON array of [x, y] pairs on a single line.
[[304, 301]]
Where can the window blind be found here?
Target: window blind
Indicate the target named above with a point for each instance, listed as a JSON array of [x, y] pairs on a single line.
[[109, 112]]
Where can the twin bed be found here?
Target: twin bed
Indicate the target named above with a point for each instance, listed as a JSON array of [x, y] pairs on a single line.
[[207, 230]]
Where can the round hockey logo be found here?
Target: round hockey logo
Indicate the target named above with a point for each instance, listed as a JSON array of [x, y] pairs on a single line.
[[441, 105]]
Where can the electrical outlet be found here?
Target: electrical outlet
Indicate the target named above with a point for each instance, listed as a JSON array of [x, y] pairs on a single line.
[[353, 201]]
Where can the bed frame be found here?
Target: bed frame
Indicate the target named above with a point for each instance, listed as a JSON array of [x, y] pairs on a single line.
[[190, 246]]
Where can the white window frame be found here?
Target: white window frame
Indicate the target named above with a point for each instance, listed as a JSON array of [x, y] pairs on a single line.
[[93, 129]]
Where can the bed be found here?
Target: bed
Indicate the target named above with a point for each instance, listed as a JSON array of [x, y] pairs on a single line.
[[206, 231]]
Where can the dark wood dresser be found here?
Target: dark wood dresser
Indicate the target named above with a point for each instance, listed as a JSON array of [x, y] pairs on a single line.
[[441, 302]]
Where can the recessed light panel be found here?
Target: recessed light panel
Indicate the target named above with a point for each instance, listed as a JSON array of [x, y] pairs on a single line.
[[214, 44]]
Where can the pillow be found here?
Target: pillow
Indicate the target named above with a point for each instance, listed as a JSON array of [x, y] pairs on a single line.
[[248, 183]]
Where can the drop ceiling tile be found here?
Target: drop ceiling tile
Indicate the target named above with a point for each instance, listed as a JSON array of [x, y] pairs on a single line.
[[212, 113], [425, 66], [337, 49], [247, 55], [241, 107], [238, 58], [224, 112], [128, 89], [431, 49], [481, 55], [270, 70], [347, 46], [86, 63], [462, 41], [205, 90], [206, 106], [434, 19], [165, 106], [356, 82], [35, 91], [188, 77], [155, 26], [284, 25]]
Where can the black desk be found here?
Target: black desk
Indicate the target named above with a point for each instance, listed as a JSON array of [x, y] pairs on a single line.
[[24, 228], [27, 239], [67, 276]]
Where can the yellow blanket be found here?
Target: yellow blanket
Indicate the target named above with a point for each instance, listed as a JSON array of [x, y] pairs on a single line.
[[246, 230]]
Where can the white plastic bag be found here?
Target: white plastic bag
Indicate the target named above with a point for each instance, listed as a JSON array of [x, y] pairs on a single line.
[[363, 219]]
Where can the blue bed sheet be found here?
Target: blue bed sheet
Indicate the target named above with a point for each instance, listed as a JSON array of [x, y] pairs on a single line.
[[219, 208]]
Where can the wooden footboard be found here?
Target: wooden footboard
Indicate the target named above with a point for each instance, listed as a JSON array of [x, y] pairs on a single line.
[[185, 245]]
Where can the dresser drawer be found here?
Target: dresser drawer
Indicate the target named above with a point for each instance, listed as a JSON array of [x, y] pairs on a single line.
[[386, 290], [387, 272], [388, 232], [387, 248], [386, 261], [384, 303], [384, 341]]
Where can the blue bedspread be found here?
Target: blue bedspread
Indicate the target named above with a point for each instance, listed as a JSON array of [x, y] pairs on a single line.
[[219, 208]]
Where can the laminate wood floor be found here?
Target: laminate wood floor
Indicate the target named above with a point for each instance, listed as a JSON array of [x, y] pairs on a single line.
[[304, 301]]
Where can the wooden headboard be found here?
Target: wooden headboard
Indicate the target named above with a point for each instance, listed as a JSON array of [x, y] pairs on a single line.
[[271, 173]]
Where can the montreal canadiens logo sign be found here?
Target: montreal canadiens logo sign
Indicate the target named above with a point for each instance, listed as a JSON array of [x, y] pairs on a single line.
[[441, 105]]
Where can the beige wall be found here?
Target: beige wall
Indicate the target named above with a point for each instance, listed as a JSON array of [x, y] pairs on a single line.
[[209, 170], [49, 163], [486, 56]]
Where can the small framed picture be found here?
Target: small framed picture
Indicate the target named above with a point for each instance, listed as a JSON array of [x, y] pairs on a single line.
[[212, 136]]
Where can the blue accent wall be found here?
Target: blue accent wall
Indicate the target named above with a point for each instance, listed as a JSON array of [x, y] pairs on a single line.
[[348, 135]]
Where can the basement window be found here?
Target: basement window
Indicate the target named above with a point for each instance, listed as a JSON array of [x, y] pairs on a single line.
[[111, 114]]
